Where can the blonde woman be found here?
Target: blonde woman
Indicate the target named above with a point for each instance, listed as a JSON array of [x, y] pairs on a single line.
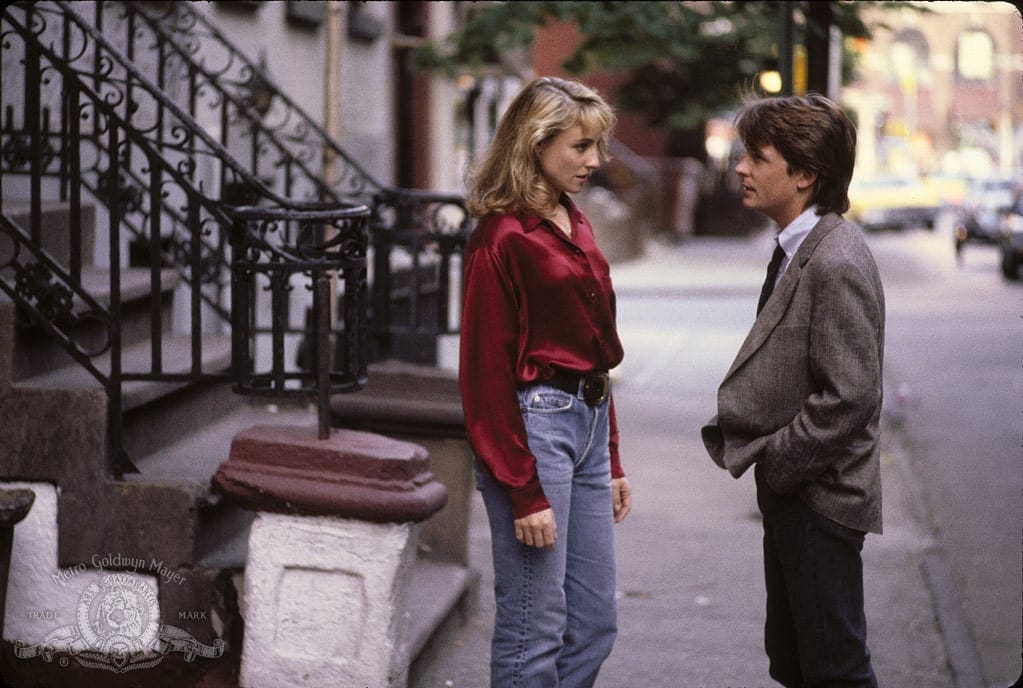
[[538, 339]]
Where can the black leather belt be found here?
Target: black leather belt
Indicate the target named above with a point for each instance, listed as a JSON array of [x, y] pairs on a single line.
[[595, 387]]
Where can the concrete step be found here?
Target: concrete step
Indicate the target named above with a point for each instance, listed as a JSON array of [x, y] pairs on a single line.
[[437, 590], [55, 228], [221, 529], [137, 358]]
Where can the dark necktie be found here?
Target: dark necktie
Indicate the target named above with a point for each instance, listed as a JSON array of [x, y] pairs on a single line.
[[772, 276]]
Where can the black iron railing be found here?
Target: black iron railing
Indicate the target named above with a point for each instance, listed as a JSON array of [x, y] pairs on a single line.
[[52, 298], [416, 237], [89, 128], [328, 253]]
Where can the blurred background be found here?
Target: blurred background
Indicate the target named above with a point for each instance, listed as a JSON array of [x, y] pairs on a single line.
[[934, 88]]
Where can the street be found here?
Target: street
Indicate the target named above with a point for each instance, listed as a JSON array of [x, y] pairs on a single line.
[[954, 348]]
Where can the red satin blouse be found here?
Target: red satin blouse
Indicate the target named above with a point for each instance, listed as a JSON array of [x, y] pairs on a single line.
[[533, 299]]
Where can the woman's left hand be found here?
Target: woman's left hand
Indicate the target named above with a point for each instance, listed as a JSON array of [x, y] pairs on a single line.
[[621, 497]]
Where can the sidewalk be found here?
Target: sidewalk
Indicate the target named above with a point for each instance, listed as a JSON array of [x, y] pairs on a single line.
[[691, 596]]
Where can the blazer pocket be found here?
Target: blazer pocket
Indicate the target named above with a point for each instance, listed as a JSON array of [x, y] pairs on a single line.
[[714, 441]]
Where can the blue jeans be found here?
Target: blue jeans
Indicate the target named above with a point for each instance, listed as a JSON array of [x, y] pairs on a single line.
[[556, 616]]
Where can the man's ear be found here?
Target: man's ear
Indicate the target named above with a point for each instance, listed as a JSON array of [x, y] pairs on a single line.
[[805, 180]]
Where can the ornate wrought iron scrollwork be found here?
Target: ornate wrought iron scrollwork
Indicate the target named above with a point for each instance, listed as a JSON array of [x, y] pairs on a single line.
[[318, 237], [223, 80], [285, 148], [17, 151], [118, 191], [46, 291], [35, 283], [319, 247]]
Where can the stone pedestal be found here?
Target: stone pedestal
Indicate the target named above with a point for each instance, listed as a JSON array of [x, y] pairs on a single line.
[[325, 601], [330, 553]]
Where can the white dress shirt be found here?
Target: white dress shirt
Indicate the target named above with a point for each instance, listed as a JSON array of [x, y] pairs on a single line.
[[791, 238]]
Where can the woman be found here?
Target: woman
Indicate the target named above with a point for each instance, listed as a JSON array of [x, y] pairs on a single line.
[[538, 338]]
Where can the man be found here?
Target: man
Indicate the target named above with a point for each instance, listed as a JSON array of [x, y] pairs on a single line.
[[802, 399]]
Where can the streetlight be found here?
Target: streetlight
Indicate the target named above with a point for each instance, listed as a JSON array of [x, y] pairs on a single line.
[[770, 81]]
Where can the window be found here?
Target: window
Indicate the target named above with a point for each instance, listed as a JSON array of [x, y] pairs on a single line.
[[975, 56], [910, 60]]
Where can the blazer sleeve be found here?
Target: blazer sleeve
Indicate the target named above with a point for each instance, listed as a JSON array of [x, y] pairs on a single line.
[[845, 364]]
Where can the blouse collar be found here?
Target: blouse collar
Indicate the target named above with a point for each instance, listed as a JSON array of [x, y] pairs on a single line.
[[531, 220]]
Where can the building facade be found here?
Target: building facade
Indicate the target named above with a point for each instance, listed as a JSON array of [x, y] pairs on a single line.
[[939, 89]]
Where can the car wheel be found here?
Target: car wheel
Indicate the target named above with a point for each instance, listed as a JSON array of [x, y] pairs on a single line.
[[1010, 267]]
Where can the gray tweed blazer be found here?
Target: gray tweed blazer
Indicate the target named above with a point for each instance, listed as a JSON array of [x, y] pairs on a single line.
[[803, 396]]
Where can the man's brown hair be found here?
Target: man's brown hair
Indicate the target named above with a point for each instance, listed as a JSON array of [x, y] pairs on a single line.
[[813, 134]]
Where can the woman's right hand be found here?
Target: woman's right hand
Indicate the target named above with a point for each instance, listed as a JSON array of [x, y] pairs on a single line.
[[537, 529]]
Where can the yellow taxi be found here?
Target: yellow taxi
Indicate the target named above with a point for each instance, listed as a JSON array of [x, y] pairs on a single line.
[[890, 202]]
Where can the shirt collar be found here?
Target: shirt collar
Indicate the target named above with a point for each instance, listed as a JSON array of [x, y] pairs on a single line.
[[792, 236], [531, 220]]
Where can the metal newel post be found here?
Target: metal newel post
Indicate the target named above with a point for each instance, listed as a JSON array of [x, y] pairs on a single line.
[[321, 307]]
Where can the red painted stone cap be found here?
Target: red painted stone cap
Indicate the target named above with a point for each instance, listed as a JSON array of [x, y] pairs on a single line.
[[353, 474]]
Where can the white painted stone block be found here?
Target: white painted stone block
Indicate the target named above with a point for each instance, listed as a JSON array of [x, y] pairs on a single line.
[[42, 597], [324, 602], [103, 613]]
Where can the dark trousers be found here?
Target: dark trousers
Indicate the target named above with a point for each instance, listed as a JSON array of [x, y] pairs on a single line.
[[816, 630]]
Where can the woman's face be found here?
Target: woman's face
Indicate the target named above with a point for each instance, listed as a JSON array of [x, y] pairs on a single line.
[[567, 160]]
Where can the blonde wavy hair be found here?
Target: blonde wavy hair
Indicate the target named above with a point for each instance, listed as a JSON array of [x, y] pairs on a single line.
[[508, 179]]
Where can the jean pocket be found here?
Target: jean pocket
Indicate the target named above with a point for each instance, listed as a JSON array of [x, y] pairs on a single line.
[[543, 399]]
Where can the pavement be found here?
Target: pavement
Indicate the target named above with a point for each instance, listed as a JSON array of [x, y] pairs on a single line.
[[690, 580]]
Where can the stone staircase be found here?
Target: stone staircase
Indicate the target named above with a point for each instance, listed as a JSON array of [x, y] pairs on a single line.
[[162, 510]]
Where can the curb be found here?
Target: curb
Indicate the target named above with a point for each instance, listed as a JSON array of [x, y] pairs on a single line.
[[954, 627]]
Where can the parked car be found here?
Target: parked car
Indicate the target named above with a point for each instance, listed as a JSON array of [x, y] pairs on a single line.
[[893, 203], [985, 203], [1011, 241], [951, 188]]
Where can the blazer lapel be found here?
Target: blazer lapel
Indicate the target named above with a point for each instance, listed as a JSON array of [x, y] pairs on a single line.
[[782, 295]]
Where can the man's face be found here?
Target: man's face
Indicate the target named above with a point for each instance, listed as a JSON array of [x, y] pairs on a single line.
[[767, 186]]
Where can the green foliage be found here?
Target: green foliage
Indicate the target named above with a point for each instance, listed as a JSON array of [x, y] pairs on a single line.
[[684, 60]]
